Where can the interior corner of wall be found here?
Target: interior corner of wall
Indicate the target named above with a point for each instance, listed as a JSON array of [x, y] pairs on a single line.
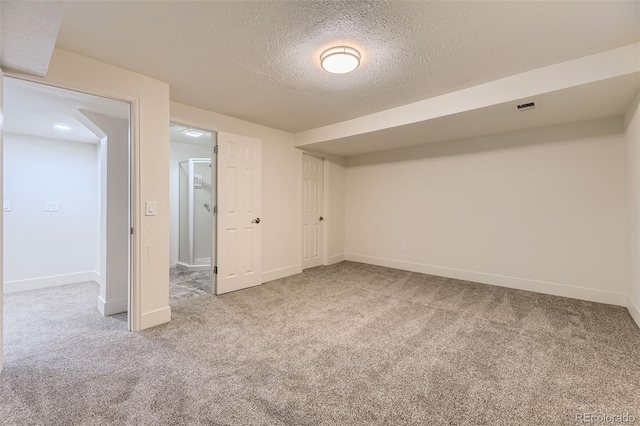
[[634, 310], [631, 111]]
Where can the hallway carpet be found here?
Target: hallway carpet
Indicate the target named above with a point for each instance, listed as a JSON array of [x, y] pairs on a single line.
[[348, 344]]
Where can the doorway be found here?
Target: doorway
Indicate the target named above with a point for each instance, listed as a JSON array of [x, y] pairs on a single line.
[[312, 211], [192, 201], [66, 208]]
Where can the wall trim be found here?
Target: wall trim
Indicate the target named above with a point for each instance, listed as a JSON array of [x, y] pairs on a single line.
[[192, 268], [112, 307], [50, 281], [157, 317], [336, 258], [633, 310], [545, 287], [276, 274]]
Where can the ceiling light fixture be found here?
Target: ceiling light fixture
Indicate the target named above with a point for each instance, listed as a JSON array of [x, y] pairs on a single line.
[[61, 127], [194, 133], [340, 60]]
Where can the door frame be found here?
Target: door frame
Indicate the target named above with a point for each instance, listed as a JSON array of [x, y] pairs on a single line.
[[134, 303], [325, 206], [1, 223], [214, 173]]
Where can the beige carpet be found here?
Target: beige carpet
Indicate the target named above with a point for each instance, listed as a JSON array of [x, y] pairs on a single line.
[[340, 345]]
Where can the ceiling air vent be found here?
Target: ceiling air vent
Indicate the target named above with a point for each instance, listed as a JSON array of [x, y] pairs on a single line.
[[527, 106]]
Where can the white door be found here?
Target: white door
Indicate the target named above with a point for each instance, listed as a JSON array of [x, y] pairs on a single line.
[[312, 197], [1, 289], [239, 212]]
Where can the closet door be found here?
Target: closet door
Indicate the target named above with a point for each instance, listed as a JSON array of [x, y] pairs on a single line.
[[312, 220], [239, 250]]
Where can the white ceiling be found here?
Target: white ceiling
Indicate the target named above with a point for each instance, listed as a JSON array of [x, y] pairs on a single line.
[[33, 109], [259, 60], [176, 134], [598, 100]]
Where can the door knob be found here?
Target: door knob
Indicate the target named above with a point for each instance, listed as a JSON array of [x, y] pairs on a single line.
[[321, 218], [256, 220]]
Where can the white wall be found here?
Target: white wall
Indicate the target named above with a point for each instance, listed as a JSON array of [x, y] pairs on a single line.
[[540, 210], [150, 109], [43, 248], [113, 160], [632, 138], [179, 152]]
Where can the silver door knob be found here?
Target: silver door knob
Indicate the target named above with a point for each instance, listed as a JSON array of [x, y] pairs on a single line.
[[256, 220], [321, 218]]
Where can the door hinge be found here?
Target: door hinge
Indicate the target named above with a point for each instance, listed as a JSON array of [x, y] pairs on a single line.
[[215, 149], [215, 209], [131, 231], [215, 270]]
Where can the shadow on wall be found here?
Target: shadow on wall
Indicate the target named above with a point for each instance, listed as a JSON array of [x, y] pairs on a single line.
[[515, 140]]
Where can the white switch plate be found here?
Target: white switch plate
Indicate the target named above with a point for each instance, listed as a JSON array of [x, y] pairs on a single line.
[[51, 206], [150, 208], [6, 205]]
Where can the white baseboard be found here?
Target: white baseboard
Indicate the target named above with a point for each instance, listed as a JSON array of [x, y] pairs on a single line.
[[276, 274], [555, 289], [337, 258], [51, 281], [157, 317], [112, 307], [193, 268], [634, 311]]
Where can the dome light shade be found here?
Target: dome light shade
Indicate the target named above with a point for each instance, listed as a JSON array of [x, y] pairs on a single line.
[[340, 60]]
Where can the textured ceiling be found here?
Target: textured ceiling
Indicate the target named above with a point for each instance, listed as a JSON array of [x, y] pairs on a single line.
[[28, 31], [33, 109], [259, 60]]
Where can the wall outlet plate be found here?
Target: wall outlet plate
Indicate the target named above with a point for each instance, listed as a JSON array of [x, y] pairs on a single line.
[[51, 206], [6, 205]]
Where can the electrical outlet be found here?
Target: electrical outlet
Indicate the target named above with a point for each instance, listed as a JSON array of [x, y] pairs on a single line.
[[403, 247], [6, 205], [51, 206]]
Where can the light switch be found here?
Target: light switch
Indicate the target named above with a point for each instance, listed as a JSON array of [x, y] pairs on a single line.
[[6, 205], [150, 208]]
